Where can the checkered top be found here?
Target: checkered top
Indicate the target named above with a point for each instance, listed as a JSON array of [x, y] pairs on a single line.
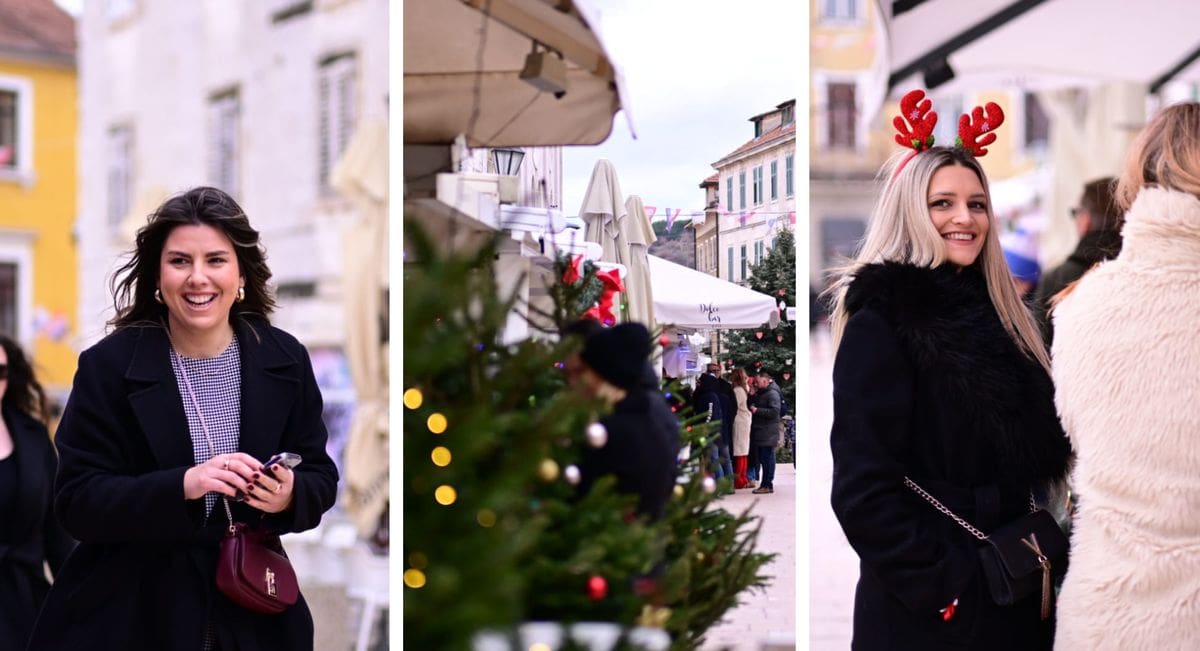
[[217, 383]]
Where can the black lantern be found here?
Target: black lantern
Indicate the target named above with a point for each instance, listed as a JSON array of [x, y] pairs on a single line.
[[507, 160]]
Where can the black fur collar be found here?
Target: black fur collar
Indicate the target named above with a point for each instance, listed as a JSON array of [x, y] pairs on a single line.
[[967, 362]]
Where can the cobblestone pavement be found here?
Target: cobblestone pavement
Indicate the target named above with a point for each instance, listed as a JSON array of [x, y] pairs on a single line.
[[833, 565], [766, 619]]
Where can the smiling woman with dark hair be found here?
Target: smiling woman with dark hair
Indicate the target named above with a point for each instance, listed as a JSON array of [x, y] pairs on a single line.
[[29, 534], [163, 439]]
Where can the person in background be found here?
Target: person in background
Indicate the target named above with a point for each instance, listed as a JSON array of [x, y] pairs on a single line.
[[169, 421], [643, 435], [741, 428], [765, 427], [1098, 221], [1020, 252], [30, 535], [729, 409], [706, 404], [1126, 376], [940, 377]]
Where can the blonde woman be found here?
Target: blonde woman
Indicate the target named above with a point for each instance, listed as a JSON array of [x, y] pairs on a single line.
[[1127, 370], [741, 428], [941, 376]]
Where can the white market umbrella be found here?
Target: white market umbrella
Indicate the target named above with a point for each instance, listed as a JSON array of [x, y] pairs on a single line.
[[603, 212], [362, 175], [686, 298], [638, 288], [462, 60]]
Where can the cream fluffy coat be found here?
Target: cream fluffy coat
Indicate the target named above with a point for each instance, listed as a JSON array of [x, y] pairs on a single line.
[[1127, 376]]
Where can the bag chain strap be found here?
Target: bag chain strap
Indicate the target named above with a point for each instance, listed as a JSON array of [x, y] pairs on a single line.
[[203, 426], [941, 507]]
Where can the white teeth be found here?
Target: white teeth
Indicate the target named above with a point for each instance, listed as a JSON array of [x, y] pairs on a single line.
[[959, 236], [202, 302]]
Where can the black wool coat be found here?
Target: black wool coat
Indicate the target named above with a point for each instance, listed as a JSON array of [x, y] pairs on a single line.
[[32, 536], [143, 574], [641, 451], [928, 384]]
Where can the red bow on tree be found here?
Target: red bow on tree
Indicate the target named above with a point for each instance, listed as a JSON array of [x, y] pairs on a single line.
[[574, 271], [602, 311]]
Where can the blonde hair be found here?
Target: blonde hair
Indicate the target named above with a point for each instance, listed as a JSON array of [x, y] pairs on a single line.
[[1166, 153], [900, 230]]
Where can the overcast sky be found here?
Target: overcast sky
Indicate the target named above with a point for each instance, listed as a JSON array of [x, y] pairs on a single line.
[[695, 72], [74, 7]]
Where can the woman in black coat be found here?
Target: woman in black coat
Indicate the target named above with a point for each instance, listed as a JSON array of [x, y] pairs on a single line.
[[940, 376], [30, 536], [138, 483]]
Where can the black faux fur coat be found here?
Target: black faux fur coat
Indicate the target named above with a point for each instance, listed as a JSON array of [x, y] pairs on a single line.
[[928, 384]]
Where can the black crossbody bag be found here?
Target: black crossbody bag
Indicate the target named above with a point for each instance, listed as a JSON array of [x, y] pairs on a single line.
[[1018, 557]]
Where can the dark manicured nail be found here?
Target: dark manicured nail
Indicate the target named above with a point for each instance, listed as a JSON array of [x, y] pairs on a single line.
[[255, 476]]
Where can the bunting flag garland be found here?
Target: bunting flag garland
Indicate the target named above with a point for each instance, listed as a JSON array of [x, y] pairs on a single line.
[[671, 217]]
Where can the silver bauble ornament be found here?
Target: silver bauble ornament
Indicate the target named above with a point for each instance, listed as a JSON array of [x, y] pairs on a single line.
[[597, 435]]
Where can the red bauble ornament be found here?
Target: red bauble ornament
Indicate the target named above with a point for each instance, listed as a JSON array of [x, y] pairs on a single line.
[[779, 338], [757, 364], [664, 341], [597, 588], [759, 334]]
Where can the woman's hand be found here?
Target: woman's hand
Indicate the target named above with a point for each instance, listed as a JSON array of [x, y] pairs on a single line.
[[224, 474], [272, 494]]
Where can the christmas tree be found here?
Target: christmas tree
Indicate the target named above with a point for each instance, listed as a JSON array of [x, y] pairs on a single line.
[[766, 347], [495, 532]]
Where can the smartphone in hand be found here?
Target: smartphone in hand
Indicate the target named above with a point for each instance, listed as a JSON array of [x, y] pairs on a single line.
[[286, 459]]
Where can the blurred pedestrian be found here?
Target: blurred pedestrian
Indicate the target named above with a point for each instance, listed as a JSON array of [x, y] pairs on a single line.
[[643, 435], [941, 378], [1126, 374], [765, 427], [729, 409], [162, 441], [1098, 221], [741, 428], [30, 535], [706, 404], [1020, 252]]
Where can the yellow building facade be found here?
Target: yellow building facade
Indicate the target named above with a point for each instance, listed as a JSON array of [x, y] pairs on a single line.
[[38, 125]]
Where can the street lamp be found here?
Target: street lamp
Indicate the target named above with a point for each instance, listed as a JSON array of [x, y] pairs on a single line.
[[507, 160]]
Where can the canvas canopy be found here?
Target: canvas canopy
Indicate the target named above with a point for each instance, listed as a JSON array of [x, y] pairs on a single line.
[[689, 299]]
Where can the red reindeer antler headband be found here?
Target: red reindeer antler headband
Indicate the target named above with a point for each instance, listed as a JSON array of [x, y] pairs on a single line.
[[974, 129]]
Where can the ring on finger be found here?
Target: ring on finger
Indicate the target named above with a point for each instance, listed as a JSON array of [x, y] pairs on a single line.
[[278, 487]]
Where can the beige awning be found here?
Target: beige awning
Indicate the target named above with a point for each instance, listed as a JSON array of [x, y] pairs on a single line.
[[462, 60]]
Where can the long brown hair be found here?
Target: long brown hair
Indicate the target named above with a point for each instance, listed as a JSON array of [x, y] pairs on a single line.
[[134, 283], [1166, 154], [738, 378]]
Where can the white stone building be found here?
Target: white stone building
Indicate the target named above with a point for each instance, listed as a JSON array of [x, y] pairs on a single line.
[[258, 98], [757, 192]]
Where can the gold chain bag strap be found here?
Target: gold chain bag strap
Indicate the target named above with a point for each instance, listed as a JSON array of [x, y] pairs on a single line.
[[253, 570], [1019, 557]]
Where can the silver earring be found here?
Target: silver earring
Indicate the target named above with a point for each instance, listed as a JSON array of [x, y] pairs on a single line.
[[241, 294], [158, 295]]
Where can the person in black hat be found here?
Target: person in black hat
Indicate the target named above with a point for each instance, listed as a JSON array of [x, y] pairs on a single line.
[[643, 435]]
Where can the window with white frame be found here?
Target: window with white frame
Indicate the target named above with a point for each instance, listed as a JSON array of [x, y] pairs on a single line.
[[16, 284], [120, 172], [224, 144], [337, 94], [774, 180], [757, 173], [9, 309], [842, 110], [788, 163], [16, 125]]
